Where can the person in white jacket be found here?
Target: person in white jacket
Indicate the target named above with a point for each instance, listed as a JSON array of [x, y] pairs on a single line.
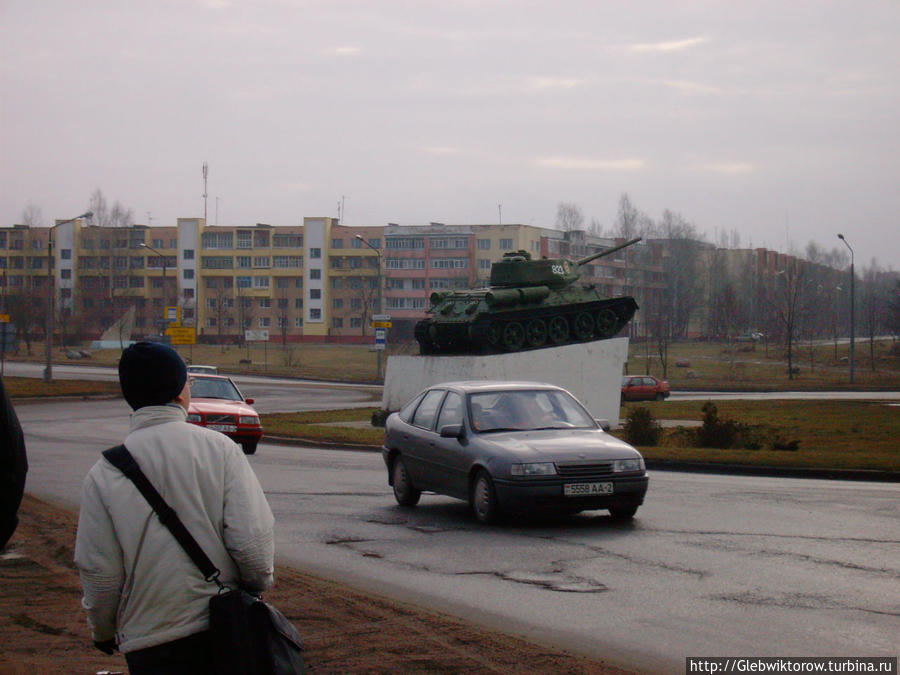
[[142, 593]]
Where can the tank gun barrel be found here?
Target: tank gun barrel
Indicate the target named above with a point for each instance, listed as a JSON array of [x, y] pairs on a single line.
[[609, 251]]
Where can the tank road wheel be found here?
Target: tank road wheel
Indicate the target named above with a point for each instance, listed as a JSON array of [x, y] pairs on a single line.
[[513, 336], [495, 334], [606, 323], [536, 333], [558, 330], [583, 326]]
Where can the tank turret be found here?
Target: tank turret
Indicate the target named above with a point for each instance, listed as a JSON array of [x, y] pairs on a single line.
[[530, 304]]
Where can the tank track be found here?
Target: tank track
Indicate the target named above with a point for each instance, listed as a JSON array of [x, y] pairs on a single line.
[[530, 328]]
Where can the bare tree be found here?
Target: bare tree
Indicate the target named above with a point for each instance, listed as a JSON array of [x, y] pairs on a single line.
[[32, 217], [117, 216], [787, 304], [569, 216], [366, 293], [893, 310], [628, 220]]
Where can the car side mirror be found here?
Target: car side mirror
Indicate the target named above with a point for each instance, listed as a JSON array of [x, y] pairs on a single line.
[[452, 431], [249, 401], [604, 424]]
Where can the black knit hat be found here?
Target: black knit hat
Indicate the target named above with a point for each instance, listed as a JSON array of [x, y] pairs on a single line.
[[151, 373]]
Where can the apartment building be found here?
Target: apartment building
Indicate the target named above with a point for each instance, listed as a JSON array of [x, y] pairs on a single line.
[[315, 281]]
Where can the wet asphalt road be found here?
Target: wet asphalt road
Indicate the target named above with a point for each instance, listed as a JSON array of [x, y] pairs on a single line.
[[711, 566]]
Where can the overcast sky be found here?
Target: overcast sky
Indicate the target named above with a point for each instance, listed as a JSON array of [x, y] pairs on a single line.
[[775, 119]]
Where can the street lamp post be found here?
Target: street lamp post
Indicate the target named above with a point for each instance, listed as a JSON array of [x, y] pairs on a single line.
[[380, 306], [163, 258], [48, 326], [852, 305]]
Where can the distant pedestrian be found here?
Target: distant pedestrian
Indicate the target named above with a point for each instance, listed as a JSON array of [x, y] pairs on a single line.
[[142, 593], [13, 467]]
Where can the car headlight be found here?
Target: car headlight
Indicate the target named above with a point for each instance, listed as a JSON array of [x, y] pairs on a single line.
[[252, 420], [628, 465], [193, 417], [533, 469]]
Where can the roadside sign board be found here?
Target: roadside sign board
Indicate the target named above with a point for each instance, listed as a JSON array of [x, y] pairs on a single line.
[[182, 335], [382, 324], [380, 338], [381, 317], [173, 314], [256, 335], [4, 318]]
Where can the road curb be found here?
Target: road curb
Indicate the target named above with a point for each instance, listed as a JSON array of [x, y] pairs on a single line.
[[774, 471], [661, 464]]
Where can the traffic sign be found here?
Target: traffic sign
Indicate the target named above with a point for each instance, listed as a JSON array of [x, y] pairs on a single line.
[[380, 339], [182, 336], [382, 324], [173, 314], [256, 335], [381, 317], [4, 318]]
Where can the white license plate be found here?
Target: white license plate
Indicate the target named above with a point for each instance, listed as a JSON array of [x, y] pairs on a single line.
[[222, 427], [587, 489]]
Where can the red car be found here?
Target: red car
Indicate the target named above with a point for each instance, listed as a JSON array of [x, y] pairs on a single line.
[[216, 403], [644, 388]]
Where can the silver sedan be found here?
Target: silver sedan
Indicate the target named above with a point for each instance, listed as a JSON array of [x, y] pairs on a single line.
[[510, 447]]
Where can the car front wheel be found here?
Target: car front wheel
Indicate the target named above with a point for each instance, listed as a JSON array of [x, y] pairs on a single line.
[[483, 499], [249, 447], [404, 492]]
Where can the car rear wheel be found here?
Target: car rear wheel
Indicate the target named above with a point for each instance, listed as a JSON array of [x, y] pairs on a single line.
[[249, 447], [623, 511], [483, 499], [404, 492], [660, 396]]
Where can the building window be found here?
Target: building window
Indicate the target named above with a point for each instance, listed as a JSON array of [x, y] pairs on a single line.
[[282, 303], [260, 282], [287, 261], [188, 293], [315, 253], [218, 240], [157, 243], [484, 244], [287, 241], [315, 294], [506, 244], [337, 303], [244, 282], [298, 322], [298, 303], [211, 322], [406, 243], [484, 264], [65, 253], [337, 243], [265, 303], [355, 322], [243, 262], [188, 274], [264, 322], [244, 239], [188, 254], [315, 274], [449, 263], [315, 314], [65, 274], [337, 322], [216, 262], [261, 261]]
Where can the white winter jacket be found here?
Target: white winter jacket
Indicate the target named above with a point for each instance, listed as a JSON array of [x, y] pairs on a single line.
[[139, 584]]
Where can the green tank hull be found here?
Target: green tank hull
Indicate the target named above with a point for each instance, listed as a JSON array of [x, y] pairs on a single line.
[[530, 305]]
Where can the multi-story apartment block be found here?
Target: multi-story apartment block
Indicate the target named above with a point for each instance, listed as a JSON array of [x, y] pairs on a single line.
[[316, 281]]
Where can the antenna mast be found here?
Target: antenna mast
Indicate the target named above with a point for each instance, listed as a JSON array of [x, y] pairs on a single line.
[[205, 174]]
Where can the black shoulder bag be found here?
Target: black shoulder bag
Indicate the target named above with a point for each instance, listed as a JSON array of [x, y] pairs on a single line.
[[250, 636]]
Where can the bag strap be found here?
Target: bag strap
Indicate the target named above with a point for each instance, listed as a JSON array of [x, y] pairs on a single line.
[[123, 460]]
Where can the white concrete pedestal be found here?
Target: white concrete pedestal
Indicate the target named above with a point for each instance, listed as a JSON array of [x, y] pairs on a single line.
[[592, 371]]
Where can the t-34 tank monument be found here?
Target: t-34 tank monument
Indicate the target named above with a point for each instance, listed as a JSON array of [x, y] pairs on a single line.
[[530, 304]]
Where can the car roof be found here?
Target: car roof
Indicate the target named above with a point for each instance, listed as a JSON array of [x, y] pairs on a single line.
[[208, 376], [472, 386]]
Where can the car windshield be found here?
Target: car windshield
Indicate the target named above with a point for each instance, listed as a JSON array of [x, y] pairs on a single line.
[[527, 410], [207, 387]]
